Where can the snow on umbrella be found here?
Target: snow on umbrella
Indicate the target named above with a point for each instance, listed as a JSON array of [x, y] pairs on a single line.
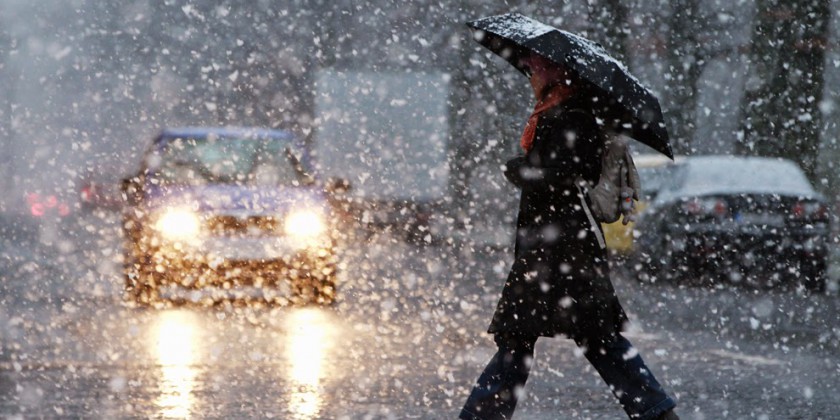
[[634, 108]]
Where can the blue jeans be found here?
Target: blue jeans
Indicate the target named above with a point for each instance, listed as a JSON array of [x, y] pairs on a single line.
[[496, 392]]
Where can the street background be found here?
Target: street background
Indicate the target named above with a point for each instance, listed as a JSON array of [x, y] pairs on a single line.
[[405, 340], [86, 84]]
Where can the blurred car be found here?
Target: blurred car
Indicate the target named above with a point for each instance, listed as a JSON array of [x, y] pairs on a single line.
[[231, 211], [44, 206], [651, 169], [52, 212], [742, 219]]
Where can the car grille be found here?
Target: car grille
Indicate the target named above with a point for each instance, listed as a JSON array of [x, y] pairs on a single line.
[[247, 225]]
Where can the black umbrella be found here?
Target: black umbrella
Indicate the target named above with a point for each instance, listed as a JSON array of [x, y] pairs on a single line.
[[631, 106]]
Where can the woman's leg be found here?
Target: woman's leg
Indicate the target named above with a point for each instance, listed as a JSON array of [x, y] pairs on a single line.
[[623, 369], [495, 394]]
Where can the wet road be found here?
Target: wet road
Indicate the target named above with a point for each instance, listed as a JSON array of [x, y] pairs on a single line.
[[405, 340]]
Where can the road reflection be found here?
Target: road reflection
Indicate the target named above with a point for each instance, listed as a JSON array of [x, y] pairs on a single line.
[[303, 348], [307, 344], [175, 339]]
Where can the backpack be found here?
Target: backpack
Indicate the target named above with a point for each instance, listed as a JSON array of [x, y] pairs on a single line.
[[619, 186]]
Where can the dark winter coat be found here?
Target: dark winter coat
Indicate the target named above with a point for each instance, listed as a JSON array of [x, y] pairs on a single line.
[[559, 283]]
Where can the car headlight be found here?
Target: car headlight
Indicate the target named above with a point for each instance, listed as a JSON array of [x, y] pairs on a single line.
[[305, 224], [178, 224]]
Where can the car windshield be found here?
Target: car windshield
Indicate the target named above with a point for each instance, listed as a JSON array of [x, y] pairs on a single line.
[[225, 160]]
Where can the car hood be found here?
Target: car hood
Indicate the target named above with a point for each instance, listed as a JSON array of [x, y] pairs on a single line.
[[236, 199]]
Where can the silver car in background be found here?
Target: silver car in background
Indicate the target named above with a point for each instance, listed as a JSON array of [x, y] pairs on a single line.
[[733, 219]]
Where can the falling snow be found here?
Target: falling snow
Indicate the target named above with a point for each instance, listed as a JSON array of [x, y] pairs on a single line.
[[394, 128]]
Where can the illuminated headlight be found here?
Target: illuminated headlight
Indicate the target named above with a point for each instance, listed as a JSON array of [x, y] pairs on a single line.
[[178, 224], [305, 224]]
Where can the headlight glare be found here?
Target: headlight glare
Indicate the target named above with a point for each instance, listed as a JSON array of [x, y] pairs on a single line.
[[305, 224], [178, 224]]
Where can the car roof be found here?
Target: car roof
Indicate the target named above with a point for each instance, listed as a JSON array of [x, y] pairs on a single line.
[[651, 160], [708, 175], [238, 132]]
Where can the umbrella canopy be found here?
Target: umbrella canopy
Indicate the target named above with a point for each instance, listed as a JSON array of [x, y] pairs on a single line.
[[630, 105]]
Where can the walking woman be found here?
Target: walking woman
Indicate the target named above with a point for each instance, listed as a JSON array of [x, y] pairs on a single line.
[[559, 284]]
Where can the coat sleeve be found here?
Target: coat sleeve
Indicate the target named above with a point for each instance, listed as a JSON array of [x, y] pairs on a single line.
[[524, 175], [513, 171], [567, 146], [571, 141]]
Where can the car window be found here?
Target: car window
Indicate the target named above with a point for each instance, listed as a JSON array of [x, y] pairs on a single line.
[[214, 160]]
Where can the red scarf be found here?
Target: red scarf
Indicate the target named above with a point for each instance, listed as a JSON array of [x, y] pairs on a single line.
[[550, 98]]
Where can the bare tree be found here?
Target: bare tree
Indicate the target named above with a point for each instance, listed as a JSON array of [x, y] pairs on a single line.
[[609, 19], [686, 59], [6, 100], [781, 105], [696, 34]]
